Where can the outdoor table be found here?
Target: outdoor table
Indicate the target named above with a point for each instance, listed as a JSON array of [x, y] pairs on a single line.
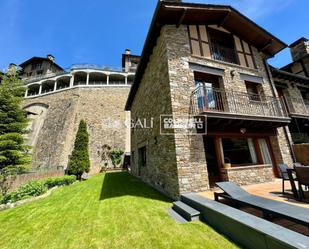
[[292, 181]]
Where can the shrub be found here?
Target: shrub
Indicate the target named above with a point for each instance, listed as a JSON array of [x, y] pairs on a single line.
[[116, 156], [79, 160], [59, 181], [30, 189]]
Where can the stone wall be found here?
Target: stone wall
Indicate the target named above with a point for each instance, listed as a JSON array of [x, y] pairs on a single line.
[[153, 99], [98, 106], [248, 174], [190, 154]]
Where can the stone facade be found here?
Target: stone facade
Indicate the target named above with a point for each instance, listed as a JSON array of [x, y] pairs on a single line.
[[248, 175], [54, 119], [161, 168]]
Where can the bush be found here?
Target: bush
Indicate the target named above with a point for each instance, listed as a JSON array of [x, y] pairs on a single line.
[[59, 181], [30, 189]]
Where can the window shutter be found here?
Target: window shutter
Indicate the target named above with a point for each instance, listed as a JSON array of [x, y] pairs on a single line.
[[244, 53], [204, 41], [199, 40]]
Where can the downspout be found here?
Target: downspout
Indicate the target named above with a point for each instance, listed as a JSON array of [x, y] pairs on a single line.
[[275, 93]]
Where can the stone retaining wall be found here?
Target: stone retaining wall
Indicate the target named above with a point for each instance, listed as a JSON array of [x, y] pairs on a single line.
[[56, 122]]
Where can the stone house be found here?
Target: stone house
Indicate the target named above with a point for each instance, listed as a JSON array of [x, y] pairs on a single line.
[[292, 84], [201, 59]]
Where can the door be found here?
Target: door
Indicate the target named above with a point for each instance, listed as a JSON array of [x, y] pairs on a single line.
[[214, 174], [205, 95]]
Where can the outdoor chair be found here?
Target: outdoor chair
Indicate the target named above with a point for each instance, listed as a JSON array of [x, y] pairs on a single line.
[[284, 174], [302, 173], [239, 196]]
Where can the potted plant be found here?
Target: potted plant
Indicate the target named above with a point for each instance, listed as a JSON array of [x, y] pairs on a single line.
[[227, 163]]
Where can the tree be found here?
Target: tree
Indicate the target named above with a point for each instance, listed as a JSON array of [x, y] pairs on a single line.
[[116, 156], [14, 154], [79, 160]]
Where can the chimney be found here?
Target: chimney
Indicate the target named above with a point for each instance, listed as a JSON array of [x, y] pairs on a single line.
[[12, 68], [299, 48], [127, 51], [51, 57]]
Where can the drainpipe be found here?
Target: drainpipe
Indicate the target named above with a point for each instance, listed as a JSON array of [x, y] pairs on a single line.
[[275, 93]]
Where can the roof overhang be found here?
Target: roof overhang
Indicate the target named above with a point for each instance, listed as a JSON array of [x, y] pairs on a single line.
[[283, 75], [178, 13]]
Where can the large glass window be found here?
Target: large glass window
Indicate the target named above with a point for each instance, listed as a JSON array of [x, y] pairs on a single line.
[[222, 46], [265, 151], [239, 151]]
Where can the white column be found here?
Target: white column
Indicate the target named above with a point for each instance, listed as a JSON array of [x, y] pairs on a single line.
[[87, 80], [40, 89], [26, 92], [55, 85], [72, 80], [107, 80], [126, 80]]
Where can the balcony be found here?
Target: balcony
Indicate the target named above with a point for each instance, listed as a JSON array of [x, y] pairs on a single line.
[[216, 102], [297, 106]]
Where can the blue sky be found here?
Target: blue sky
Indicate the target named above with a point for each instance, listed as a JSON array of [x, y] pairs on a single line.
[[98, 31]]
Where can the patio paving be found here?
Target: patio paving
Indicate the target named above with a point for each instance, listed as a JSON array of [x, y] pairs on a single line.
[[271, 190]]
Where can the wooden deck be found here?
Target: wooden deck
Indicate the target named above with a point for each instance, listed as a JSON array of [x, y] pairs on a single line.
[[272, 191]]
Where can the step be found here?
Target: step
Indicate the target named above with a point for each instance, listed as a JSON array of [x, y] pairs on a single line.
[[176, 216], [186, 211]]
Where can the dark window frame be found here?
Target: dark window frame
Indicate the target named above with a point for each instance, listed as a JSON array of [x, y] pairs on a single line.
[[142, 156]]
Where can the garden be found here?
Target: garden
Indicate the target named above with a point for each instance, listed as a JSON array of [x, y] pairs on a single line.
[[111, 210]]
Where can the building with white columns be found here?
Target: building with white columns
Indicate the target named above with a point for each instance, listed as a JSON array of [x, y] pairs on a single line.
[[57, 99]]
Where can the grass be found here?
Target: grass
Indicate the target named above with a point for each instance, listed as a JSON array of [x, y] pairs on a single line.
[[114, 210]]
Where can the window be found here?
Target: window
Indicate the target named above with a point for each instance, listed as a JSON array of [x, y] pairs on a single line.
[[222, 46], [36, 66], [29, 74], [142, 156], [40, 72], [207, 92], [254, 90], [239, 151], [264, 151]]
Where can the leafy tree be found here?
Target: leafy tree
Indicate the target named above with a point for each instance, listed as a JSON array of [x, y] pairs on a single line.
[[79, 160], [116, 156], [14, 154]]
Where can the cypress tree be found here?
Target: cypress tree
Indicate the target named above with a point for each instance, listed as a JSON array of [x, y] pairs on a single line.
[[14, 154], [79, 160]]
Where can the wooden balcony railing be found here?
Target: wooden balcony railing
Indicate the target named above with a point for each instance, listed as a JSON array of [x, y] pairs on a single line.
[[297, 106], [204, 99]]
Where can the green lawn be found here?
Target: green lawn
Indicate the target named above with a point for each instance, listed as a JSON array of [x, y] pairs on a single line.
[[114, 210]]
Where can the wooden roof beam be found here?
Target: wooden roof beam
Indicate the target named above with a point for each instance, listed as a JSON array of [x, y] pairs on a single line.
[[182, 17], [224, 19], [269, 43]]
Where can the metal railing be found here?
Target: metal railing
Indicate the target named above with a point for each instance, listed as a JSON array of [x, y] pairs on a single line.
[[45, 76], [223, 53], [298, 106], [205, 99]]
